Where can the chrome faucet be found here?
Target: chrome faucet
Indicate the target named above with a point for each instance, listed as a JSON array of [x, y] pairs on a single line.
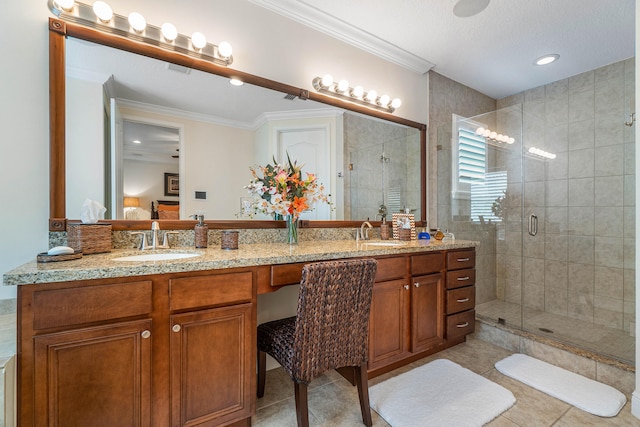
[[364, 232], [155, 227]]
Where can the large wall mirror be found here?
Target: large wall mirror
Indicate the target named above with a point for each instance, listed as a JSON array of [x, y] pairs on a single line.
[[134, 127]]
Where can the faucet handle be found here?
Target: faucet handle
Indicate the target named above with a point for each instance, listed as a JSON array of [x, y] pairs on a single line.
[[155, 225], [165, 240], [143, 242]]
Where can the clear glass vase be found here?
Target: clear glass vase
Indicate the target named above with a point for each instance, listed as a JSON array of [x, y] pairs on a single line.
[[292, 229]]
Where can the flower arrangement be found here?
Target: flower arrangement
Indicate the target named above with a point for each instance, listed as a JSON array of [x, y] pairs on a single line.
[[282, 192]]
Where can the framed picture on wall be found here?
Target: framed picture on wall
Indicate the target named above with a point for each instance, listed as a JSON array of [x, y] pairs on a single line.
[[171, 184]]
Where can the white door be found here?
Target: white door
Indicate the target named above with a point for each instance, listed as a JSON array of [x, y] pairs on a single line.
[[310, 148], [117, 159]]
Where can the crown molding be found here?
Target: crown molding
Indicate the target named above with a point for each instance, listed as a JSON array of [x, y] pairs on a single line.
[[299, 11]]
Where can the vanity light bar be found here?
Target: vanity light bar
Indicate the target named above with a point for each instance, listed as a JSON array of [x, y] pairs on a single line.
[[495, 136], [541, 153], [356, 94], [134, 27]]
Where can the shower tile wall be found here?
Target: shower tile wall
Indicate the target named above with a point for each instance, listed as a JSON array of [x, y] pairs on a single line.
[[365, 140], [581, 263]]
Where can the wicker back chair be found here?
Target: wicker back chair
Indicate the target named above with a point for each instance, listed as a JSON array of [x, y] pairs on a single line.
[[330, 330]]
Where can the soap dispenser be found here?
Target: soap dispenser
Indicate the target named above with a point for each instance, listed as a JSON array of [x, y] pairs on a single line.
[[201, 232], [384, 229]]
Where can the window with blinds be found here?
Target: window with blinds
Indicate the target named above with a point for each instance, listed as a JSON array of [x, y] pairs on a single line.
[[472, 157], [473, 179]]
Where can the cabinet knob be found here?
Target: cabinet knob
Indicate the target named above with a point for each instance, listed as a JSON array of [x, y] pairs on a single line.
[[176, 328], [146, 333], [417, 285], [406, 287]]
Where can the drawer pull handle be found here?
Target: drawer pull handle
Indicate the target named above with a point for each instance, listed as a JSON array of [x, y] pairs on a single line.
[[463, 259], [176, 328], [146, 334], [406, 287], [460, 279], [417, 285], [462, 325], [461, 300]]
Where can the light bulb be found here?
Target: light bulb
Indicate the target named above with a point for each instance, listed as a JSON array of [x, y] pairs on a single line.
[[137, 22], [486, 133], [236, 82], [499, 137], [384, 100], [169, 31], [343, 85], [357, 92], [480, 131], [511, 140], [372, 95], [327, 80], [65, 4], [225, 50], [103, 11], [396, 103], [198, 40], [493, 135]]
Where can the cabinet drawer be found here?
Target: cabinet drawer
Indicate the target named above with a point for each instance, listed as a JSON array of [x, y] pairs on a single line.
[[427, 263], [391, 268], [286, 274], [461, 299], [215, 289], [460, 278], [74, 306], [461, 324], [461, 259]]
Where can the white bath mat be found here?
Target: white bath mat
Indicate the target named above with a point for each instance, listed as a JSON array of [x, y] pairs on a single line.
[[440, 393], [581, 392]]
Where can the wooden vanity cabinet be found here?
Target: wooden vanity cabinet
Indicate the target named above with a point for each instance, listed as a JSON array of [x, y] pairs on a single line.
[[163, 350], [461, 293]]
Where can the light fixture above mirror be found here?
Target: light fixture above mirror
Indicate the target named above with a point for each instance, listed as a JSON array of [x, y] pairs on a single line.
[[357, 94], [100, 16]]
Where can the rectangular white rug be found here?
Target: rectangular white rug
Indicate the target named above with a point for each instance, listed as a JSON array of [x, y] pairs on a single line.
[[583, 393], [440, 393]]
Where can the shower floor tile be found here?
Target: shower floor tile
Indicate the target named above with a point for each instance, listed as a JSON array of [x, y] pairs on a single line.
[[599, 339]]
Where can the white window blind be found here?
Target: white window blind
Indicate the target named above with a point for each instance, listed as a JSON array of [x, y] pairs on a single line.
[[485, 194], [472, 157]]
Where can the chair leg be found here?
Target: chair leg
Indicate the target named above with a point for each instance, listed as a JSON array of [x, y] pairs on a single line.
[[302, 404], [262, 372], [362, 378]]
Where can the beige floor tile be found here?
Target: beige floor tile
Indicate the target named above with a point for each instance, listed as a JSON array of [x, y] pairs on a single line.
[[576, 417]]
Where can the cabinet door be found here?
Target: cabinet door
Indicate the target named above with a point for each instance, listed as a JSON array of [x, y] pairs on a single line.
[[212, 366], [427, 312], [96, 376], [389, 323]]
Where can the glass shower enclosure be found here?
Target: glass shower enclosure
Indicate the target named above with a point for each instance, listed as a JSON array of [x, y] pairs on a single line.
[[555, 215]]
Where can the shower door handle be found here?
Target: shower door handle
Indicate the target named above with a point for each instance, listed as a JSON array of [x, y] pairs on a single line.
[[533, 225]]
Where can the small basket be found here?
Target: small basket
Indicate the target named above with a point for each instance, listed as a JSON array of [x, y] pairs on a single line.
[[89, 238]]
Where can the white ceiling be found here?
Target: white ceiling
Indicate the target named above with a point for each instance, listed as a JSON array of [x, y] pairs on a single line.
[[493, 51]]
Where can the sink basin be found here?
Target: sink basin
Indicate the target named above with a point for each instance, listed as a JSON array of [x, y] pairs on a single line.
[[384, 244], [158, 257]]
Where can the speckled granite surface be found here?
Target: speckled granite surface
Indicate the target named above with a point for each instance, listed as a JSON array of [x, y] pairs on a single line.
[[99, 266]]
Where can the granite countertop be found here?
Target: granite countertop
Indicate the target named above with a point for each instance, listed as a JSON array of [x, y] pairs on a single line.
[[100, 266]]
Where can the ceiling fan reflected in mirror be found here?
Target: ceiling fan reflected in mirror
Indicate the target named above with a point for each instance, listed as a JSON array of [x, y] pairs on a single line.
[[467, 8]]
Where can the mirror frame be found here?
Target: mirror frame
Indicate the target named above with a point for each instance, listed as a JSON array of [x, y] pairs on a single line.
[[58, 32]]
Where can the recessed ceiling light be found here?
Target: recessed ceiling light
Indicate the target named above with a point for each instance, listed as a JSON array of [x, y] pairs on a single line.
[[236, 82], [137, 141], [547, 59], [467, 8]]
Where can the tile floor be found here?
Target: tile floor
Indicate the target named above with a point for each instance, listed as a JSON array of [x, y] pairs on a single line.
[[617, 344], [333, 402]]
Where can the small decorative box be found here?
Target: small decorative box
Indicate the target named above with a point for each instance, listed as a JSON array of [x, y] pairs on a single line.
[[89, 238]]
